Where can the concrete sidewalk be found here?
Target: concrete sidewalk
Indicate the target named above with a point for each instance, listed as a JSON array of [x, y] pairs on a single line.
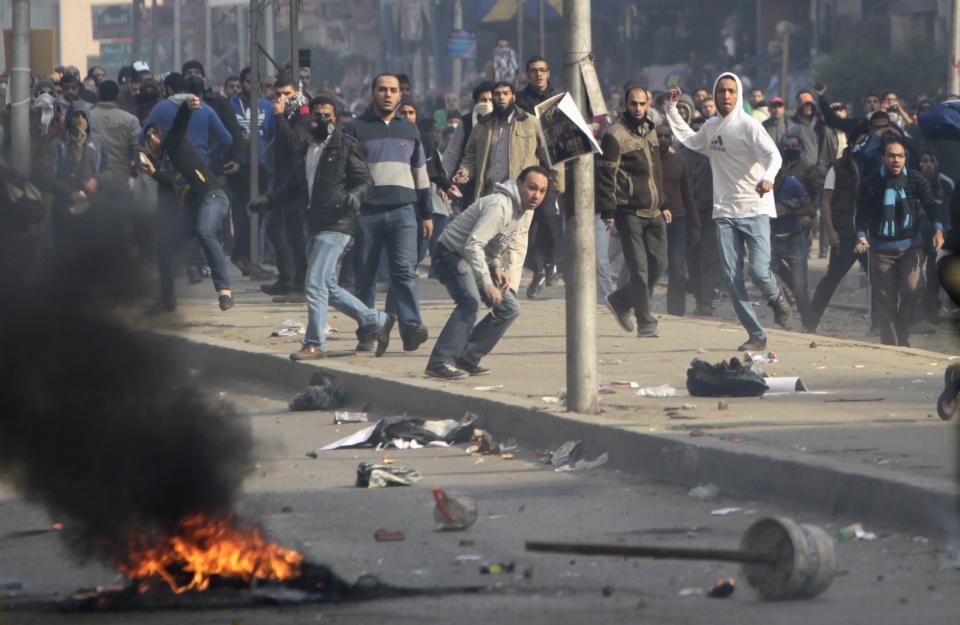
[[865, 440]]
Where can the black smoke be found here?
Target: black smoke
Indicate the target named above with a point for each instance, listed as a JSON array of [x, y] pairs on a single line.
[[101, 423]]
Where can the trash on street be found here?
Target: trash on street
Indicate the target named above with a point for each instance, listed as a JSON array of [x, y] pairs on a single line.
[[349, 417], [383, 475], [409, 433], [322, 394], [725, 511], [585, 465], [724, 380], [453, 512], [386, 536], [664, 390], [564, 454], [855, 532], [723, 588], [704, 492], [290, 327]]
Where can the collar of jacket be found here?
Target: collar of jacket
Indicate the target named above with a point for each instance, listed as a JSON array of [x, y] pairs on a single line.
[[336, 141], [641, 127]]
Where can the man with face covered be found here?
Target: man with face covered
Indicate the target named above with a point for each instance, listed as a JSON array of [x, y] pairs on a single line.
[[482, 105], [327, 186], [744, 162]]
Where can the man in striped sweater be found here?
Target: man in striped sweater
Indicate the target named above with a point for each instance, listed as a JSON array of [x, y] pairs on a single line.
[[395, 213]]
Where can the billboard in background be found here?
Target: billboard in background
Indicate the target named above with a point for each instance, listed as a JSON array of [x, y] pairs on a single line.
[[43, 50]]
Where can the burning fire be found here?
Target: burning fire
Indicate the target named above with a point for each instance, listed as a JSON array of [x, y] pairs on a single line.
[[203, 547]]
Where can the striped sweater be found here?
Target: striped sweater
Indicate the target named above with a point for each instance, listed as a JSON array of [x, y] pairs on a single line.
[[395, 156]]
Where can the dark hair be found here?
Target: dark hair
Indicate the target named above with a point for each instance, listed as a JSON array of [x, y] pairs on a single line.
[[108, 91], [504, 83], [482, 88], [141, 75], [323, 99], [403, 79], [285, 82], [411, 105], [231, 79], [886, 93], [932, 154], [246, 71], [195, 85], [870, 95], [93, 67], [533, 169], [125, 74], [68, 79], [373, 83], [536, 58], [879, 115], [454, 114], [175, 82], [192, 64], [628, 88], [801, 92], [891, 139]]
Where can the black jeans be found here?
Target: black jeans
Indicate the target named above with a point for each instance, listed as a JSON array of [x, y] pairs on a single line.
[[644, 242], [703, 262], [788, 259], [677, 267], [285, 232], [842, 258], [239, 199], [545, 239]]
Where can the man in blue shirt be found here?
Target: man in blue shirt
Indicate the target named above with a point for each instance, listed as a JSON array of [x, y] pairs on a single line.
[[240, 181]]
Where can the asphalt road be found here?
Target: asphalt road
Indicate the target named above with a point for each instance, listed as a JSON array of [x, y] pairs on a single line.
[[313, 506]]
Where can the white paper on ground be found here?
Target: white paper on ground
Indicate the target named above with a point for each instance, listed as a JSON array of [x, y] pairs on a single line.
[[785, 384], [354, 439]]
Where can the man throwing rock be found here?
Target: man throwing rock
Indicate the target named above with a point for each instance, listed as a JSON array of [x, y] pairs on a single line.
[[744, 161]]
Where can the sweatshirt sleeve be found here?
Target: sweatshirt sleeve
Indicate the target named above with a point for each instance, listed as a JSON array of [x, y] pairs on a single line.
[[766, 152], [488, 226], [454, 151], [696, 141]]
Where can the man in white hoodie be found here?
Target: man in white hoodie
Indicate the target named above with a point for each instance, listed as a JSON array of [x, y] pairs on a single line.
[[744, 161], [480, 259]]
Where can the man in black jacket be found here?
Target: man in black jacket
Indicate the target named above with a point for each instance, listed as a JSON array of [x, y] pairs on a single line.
[[177, 165], [329, 182]]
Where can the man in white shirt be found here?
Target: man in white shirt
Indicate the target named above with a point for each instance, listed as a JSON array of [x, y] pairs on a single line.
[[744, 162]]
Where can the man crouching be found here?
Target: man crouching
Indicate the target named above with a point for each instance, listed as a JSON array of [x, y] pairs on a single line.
[[480, 258]]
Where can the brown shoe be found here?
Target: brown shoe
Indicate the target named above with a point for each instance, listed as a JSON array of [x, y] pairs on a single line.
[[309, 352], [383, 335]]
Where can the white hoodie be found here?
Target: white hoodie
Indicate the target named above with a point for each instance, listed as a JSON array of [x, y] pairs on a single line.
[[741, 154]]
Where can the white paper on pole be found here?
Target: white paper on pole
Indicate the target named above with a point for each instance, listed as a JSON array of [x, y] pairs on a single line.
[[588, 72], [565, 134]]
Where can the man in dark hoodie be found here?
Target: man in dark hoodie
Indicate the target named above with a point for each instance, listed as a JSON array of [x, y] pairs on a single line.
[[177, 164]]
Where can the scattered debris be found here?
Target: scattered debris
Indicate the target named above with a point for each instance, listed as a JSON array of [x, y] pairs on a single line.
[[854, 532], [696, 433], [724, 380], [286, 509], [349, 417], [625, 384], [382, 475], [510, 445], [664, 390], [506, 456], [498, 568], [467, 558], [950, 558], [725, 511], [755, 357], [551, 399], [686, 592], [615, 361], [386, 536], [322, 394], [722, 405], [585, 465], [493, 387], [409, 433], [606, 390], [785, 384], [482, 443], [453, 512], [723, 588], [466, 542], [564, 454], [688, 407], [705, 492], [290, 327], [813, 345], [845, 400], [606, 591]]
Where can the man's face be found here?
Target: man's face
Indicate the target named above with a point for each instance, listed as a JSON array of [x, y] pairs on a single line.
[[664, 138], [451, 101], [266, 88], [756, 97], [408, 113], [700, 95], [791, 143], [871, 103], [503, 43], [927, 164], [486, 96], [231, 88], [709, 106], [807, 109], [776, 110], [99, 75], [502, 98], [323, 113], [538, 73], [894, 158], [71, 91], [405, 91], [726, 96], [532, 190], [840, 110], [305, 75], [890, 101], [879, 125], [286, 91], [193, 71], [386, 93], [152, 139], [245, 85], [637, 103]]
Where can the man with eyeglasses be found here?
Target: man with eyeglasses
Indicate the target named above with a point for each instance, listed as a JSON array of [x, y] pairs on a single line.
[[630, 195], [328, 185], [891, 201]]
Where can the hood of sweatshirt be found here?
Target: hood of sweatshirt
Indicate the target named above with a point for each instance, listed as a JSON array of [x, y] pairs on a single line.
[[512, 191], [737, 111]]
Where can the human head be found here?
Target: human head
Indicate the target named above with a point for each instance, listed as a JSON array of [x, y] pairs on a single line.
[[407, 111], [71, 87], [503, 96], [700, 95], [879, 122], [175, 83], [285, 87], [73, 70], [503, 42], [806, 107], [44, 85], [246, 81], [97, 73], [776, 107], [636, 102], [454, 118], [231, 86], [894, 154], [405, 87], [928, 164], [709, 107], [924, 105], [153, 138], [664, 137], [89, 84], [697, 122], [323, 107], [871, 102], [792, 147], [756, 97], [889, 100], [267, 84], [483, 92], [78, 125], [725, 94], [108, 91], [305, 77], [538, 72], [192, 68], [385, 90], [451, 100], [125, 74], [532, 184]]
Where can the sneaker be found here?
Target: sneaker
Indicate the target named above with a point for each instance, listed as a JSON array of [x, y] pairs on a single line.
[[367, 344], [309, 352], [947, 402], [382, 337], [445, 371], [194, 275], [276, 288], [781, 311], [754, 345], [553, 275], [649, 332], [536, 285], [415, 339], [623, 318], [472, 369], [226, 302], [161, 307]]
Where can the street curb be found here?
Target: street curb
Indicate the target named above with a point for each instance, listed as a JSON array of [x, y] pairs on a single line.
[[872, 495]]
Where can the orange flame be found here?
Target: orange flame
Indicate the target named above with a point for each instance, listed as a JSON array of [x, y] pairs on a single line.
[[203, 547]]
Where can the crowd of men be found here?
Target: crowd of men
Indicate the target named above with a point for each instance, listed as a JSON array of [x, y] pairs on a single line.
[[695, 187]]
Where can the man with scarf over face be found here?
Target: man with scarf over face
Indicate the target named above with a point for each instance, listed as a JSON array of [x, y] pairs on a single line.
[[630, 195], [744, 161], [890, 206]]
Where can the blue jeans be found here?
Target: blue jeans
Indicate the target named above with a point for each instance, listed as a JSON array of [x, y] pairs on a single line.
[[604, 272], [732, 236], [324, 250], [396, 231], [203, 219], [460, 341]]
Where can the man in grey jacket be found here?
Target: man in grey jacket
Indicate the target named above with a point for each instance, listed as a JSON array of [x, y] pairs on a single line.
[[120, 131], [479, 259]]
